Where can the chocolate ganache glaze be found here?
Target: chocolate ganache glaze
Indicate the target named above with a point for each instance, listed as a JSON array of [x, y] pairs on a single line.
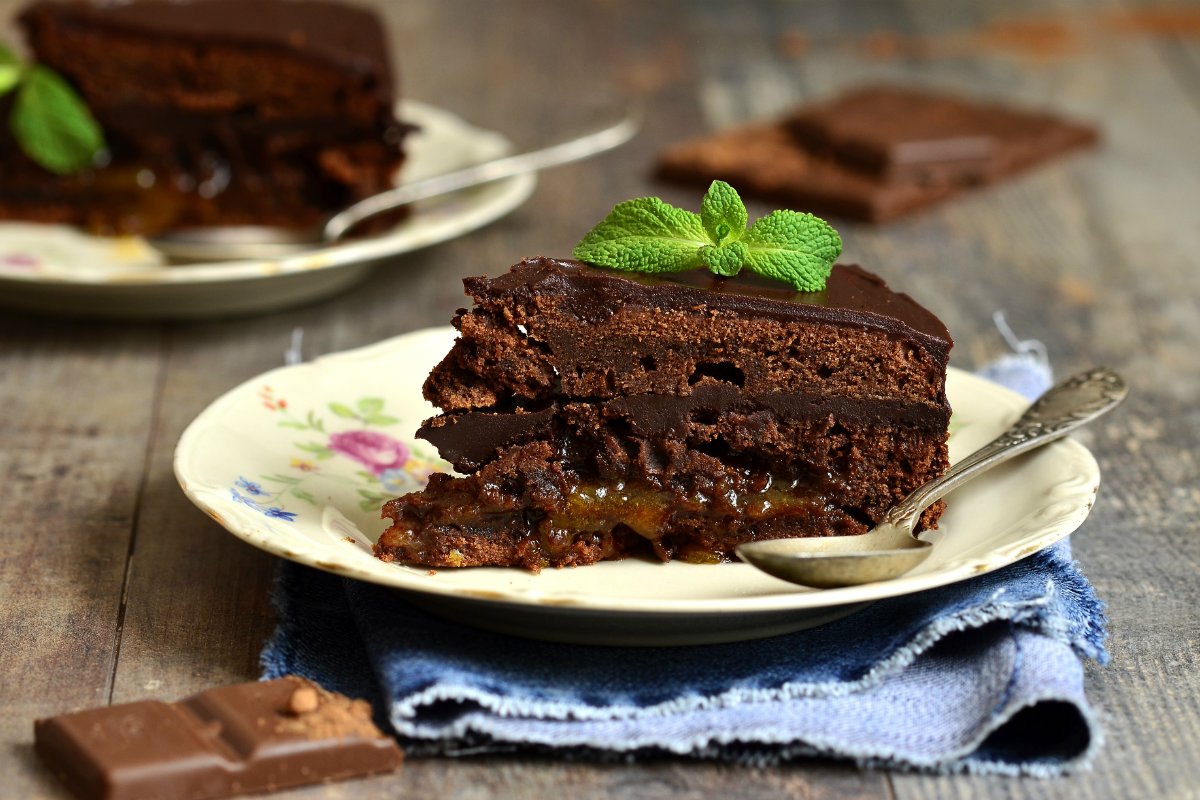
[[853, 299], [327, 31]]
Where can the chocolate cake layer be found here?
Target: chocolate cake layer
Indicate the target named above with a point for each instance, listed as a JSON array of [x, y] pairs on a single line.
[[553, 328], [599, 414], [208, 56], [584, 494], [764, 423], [214, 112]]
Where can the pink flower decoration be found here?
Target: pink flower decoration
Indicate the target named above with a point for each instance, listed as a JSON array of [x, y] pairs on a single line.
[[375, 451], [19, 262]]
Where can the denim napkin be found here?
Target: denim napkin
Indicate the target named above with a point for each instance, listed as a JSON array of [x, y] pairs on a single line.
[[982, 676]]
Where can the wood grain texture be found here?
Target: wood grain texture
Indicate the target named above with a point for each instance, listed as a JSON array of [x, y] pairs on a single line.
[[114, 586]]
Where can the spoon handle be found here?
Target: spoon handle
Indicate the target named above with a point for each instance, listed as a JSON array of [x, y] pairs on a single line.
[[497, 169], [1074, 402]]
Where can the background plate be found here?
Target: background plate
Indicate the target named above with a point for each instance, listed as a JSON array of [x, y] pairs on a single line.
[[58, 268], [298, 461]]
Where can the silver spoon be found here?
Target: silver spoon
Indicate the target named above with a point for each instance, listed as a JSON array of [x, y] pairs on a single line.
[[225, 243], [891, 547]]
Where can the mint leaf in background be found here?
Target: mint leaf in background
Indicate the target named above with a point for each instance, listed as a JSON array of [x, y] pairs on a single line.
[[723, 214], [792, 247], [10, 70], [645, 235], [10, 76], [52, 124]]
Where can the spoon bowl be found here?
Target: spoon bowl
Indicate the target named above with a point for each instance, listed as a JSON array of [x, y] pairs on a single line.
[[827, 562], [892, 548]]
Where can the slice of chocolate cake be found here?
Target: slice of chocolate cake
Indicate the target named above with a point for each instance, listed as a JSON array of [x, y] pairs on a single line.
[[214, 112], [597, 413]]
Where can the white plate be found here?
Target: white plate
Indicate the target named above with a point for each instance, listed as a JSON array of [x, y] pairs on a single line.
[[299, 460], [60, 269]]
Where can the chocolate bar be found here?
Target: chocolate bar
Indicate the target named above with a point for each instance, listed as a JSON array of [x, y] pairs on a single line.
[[765, 162], [910, 134], [874, 154], [250, 737]]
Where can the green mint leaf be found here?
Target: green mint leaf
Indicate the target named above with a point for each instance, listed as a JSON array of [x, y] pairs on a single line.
[[645, 235], [726, 260], [52, 124], [10, 76], [10, 70], [723, 214], [794, 248]]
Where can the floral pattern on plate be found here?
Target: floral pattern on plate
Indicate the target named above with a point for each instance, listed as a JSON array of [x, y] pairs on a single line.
[[386, 466]]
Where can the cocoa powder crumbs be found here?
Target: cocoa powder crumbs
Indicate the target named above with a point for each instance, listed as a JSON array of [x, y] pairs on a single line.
[[316, 713]]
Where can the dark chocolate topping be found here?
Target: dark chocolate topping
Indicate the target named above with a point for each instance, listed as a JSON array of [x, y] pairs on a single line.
[[472, 439], [853, 297], [239, 739], [342, 34]]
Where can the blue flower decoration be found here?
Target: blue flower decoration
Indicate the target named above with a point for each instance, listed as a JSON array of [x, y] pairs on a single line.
[[274, 512], [249, 486]]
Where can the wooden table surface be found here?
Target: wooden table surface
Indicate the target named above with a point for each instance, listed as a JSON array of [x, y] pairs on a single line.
[[114, 587]]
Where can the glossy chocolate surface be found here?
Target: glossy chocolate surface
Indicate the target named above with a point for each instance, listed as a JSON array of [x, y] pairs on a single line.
[[342, 34], [885, 127], [875, 153], [852, 296], [899, 132]]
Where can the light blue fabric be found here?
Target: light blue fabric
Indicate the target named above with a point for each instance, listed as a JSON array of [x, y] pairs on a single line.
[[984, 675]]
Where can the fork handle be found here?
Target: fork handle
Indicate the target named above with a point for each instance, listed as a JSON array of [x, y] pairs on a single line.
[[497, 169]]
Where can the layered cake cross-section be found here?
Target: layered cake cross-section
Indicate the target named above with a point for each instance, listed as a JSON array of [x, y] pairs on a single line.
[[594, 413]]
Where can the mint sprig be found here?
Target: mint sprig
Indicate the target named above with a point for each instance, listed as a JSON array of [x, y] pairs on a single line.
[[648, 235], [51, 123]]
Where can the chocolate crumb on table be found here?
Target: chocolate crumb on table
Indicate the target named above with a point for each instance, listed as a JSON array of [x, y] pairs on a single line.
[[239, 739]]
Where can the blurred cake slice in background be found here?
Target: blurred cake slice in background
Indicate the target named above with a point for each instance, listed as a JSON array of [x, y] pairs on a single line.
[[215, 112]]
